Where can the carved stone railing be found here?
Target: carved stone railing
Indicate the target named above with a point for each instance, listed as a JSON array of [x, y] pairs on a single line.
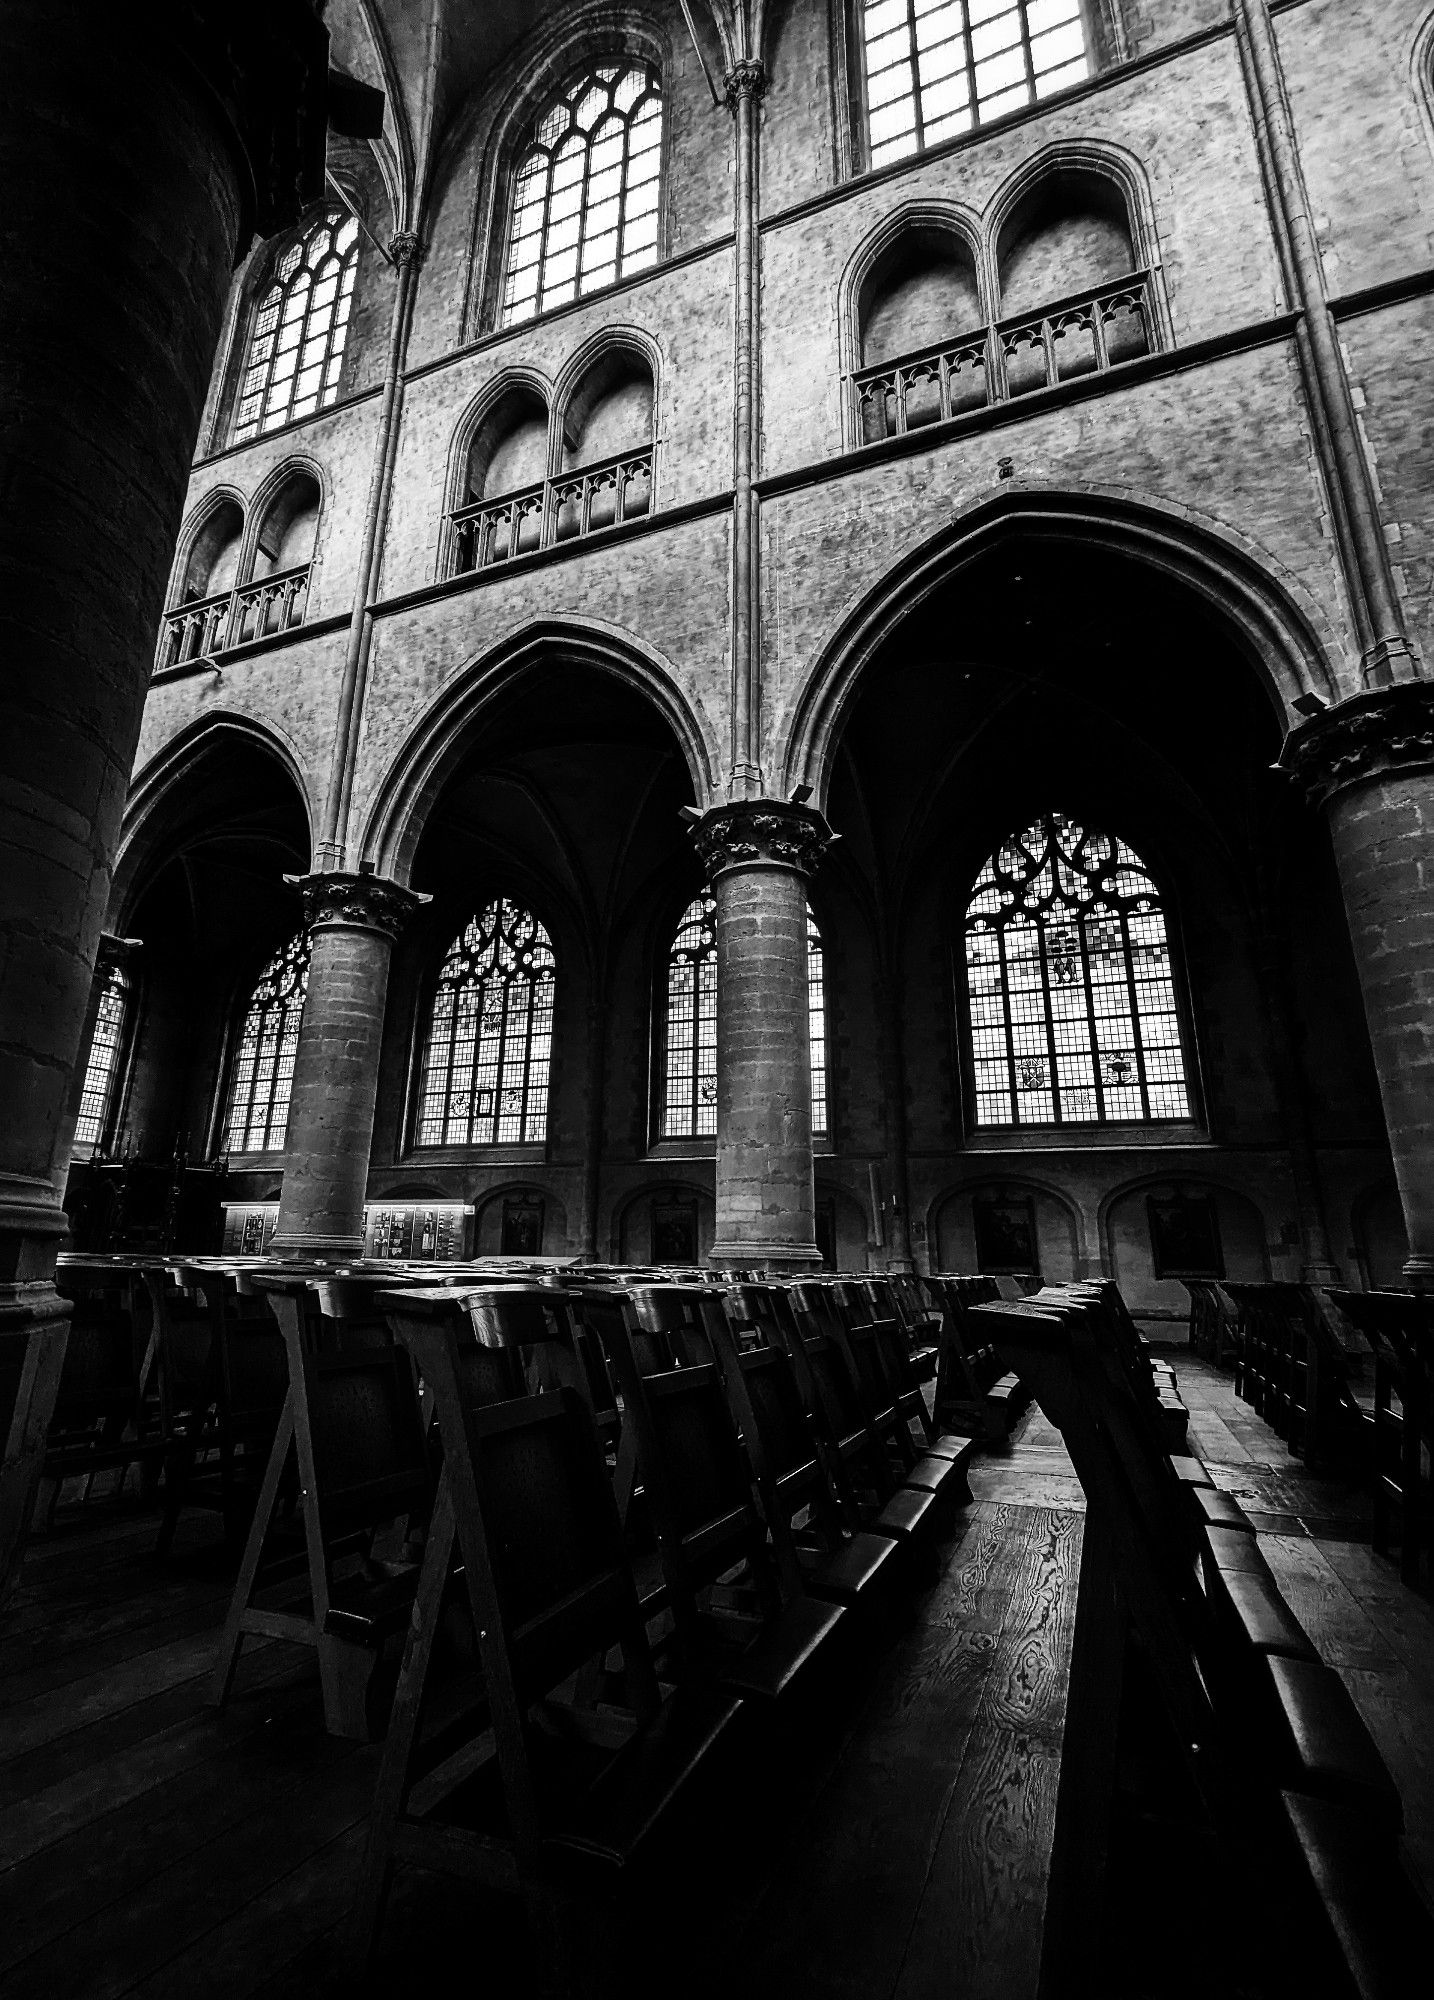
[[1084, 335], [575, 504], [255, 610]]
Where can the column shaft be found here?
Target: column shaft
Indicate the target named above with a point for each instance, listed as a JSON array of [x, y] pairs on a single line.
[[354, 920]]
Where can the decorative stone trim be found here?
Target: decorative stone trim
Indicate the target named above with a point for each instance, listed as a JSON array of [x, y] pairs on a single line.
[[405, 247], [1370, 736], [356, 902], [762, 833], [747, 78]]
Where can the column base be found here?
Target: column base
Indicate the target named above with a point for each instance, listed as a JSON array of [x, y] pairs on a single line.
[[783, 1256], [1419, 1274], [323, 1249]]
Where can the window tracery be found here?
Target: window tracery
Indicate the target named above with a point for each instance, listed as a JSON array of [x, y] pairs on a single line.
[[102, 1068], [935, 68], [263, 1078], [296, 346], [487, 1055], [1070, 983], [585, 194], [817, 1026]]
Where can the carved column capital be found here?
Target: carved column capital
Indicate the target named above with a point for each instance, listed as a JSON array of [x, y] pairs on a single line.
[[747, 78], [1373, 735], [338, 900], [761, 833], [405, 246]]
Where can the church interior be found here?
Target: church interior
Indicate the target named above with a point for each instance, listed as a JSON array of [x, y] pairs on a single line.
[[717, 1006]]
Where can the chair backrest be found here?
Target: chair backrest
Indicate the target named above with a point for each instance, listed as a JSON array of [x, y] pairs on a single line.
[[697, 1476]]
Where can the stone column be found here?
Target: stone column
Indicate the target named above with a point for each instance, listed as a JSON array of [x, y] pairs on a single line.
[[745, 84], [1370, 763], [353, 921], [758, 855], [139, 150]]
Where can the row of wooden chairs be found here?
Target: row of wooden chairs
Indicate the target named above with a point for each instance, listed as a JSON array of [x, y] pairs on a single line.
[[1399, 1327], [1274, 1744], [1296, 1365]]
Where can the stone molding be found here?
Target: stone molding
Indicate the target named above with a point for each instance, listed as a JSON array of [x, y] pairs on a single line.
[[1373, 735], [761, 833], [747, 78], [116, 952], [340, 901]]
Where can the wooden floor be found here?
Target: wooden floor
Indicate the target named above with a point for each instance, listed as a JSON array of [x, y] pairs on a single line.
[[149, 1845]]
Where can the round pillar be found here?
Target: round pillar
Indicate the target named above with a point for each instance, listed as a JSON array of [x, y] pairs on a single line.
[[758, 855], [353, 921], [139, 150], [1370, 764]]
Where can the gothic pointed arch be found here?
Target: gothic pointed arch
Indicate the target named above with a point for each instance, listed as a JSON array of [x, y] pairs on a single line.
[[292, 359], [266, 1042], [487, 1049]]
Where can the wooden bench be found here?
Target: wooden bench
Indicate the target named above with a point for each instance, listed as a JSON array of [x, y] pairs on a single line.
[[1297, 1372], [1399, 1327], [975, 1392], [1214, 1322], [350, 1450]]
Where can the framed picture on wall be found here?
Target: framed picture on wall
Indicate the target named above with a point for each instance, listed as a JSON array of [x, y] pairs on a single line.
[[674, 1232], [1006, 1235], [1185, 1236], [522, 1227]]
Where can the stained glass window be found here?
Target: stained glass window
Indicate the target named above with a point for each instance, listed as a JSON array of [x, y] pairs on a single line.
[[817, 1026], [103, 1067], [938, 67], [489, 1049], [585, 192], [690, 1081], [1072, 990], [263, 1076], [296, 349]]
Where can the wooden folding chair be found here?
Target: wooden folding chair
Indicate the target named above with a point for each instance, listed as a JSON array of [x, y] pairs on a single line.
[[352, 1436], [493, 1779]]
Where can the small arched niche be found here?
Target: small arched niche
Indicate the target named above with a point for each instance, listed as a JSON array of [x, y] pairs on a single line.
[[508, 457], [1164, 1233], [1067, 237], [921, 293], [213, 564], [289, 527], [610, 415]]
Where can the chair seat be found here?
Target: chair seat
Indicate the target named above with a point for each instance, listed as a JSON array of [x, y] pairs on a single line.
[[785, 1652], [943, 1477], [1229, 1549], [1189, 1471], [1219, 1510], [1372, 1915], [628, 1810], [1256, 1615], [853, 1573], [1320, 1741], [910, 1515], [958, 1449]]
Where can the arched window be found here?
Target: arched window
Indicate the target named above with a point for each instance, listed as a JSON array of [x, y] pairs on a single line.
[[937, 67], [263, 1078], [1072, 992], [296, 348], [689, 1106], [97, 1097], [817, 1026], [585, 191], [489, 1047]]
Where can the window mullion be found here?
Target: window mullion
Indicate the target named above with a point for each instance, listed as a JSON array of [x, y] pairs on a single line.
[[1137, 1044], [1048, 1005], [1027, 57], [918, 115], [1091, 1018], [545, 230], [969, 51], [1008, 1010]]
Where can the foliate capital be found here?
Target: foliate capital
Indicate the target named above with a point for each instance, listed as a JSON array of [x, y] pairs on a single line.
[[1373, 735], [747, 78], [405, 247], [339, 900], [761, 833]]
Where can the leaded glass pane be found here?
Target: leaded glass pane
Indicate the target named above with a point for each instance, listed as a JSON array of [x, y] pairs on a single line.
[[585, 192], [487, 1058], [931, 63], [1071, 988], [262, 1078], [306, 306], [817, 1026], [102, 1067]]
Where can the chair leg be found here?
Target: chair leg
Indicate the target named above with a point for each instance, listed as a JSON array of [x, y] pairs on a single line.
[[233, 1636]]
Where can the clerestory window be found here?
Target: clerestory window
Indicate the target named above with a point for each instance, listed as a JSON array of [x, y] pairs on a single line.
[[262, 1080], [585, 194], [488, 1052], [936, 68], [102, 1069], [1070, 984], [296, 346]]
